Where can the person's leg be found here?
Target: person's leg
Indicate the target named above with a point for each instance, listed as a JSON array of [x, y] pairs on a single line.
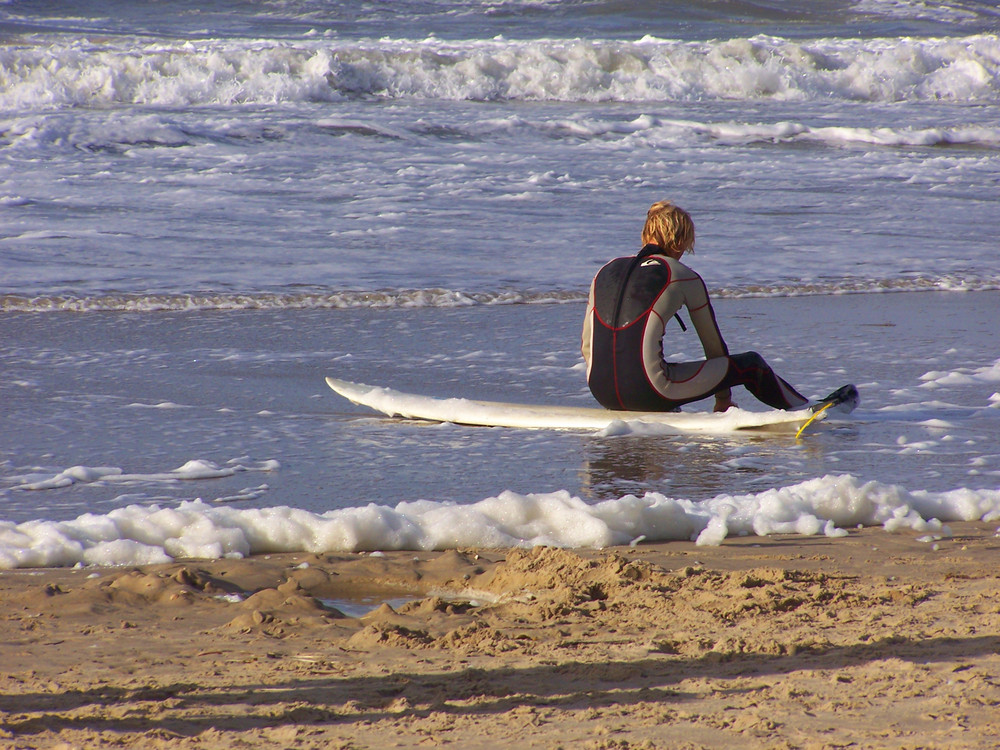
[[751, 371], [693, 381], [687, 382]]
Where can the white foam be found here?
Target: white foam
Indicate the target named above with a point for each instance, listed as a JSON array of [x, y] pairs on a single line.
[[160, 405], [411, 298], [827, 505], [962, 376], [743, 133], [191, 470], [65, 478], [76, 73], [907, 9]]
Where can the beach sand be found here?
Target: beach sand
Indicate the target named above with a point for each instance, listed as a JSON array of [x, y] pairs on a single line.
[[870, 640]]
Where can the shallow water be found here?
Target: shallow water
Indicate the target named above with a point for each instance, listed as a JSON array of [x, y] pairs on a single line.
[[149, 392], [206, 209]]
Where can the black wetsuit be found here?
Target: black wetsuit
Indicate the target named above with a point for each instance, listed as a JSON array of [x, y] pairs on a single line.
[[631, 300]]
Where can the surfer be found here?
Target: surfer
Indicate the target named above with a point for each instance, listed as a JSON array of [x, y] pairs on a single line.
[[631, 300]]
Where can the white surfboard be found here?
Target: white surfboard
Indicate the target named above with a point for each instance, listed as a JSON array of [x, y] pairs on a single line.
[[497, 414]]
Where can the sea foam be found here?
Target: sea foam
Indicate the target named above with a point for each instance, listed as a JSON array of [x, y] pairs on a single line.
[[827, 505], [63, 74], [449, 298], [192, 470]]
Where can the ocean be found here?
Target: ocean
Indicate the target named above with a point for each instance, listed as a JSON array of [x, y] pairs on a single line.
[[208, 207]]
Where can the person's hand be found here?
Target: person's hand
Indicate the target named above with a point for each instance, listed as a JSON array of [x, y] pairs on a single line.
[[724, 401]]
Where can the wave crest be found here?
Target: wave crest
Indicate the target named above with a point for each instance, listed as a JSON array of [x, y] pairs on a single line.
[[445, 298], [70, 74], [181, 302]]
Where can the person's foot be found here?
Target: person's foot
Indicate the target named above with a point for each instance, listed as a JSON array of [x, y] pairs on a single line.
[[844, 399]]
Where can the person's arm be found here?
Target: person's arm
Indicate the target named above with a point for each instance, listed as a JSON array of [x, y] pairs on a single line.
[[587, 329], [703, 317], [724, 400]]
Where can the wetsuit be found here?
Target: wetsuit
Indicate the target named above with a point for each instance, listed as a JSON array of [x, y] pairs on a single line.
[[631, 300]]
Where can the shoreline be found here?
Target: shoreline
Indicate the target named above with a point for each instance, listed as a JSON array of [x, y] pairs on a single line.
[[13, 302], [786, 641]]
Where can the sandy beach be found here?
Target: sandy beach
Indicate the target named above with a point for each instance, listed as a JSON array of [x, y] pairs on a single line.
[[870, 640]]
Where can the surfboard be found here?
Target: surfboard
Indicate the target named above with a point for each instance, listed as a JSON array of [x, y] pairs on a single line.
[[463, 411]]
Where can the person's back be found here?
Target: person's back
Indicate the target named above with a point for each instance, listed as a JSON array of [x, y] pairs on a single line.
[[634, 299]]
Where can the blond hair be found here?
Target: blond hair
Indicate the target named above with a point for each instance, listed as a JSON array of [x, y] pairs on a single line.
[[668, 227]]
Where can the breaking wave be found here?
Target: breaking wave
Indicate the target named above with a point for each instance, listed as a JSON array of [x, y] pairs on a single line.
[[444, 298], [61, 73]]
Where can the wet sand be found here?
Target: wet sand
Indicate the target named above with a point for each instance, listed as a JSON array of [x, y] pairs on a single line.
[[875, 640]]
